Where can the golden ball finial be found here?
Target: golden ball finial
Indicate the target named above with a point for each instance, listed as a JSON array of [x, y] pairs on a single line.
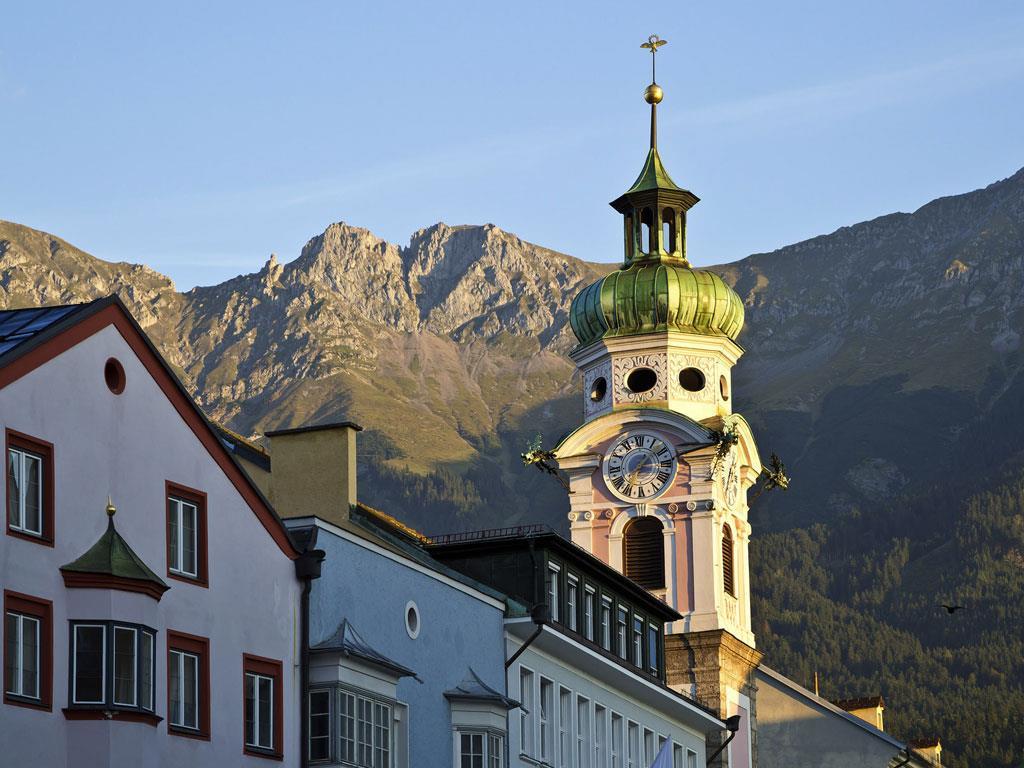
[[111, 509], [654, 94]]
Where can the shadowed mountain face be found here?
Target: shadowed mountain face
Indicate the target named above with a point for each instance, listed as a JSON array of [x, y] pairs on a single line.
[[884, 366]]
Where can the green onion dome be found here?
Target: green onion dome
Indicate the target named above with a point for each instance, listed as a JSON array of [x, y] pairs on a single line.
[[654, 297]]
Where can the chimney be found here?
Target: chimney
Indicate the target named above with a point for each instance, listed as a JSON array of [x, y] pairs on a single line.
[[869, 709], [929, 749], [313, 471]]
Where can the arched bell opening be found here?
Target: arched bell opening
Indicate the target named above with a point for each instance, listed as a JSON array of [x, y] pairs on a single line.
[[668, 231], [643, 552], [648, 234]]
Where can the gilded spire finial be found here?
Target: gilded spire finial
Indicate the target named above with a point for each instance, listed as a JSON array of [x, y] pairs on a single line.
[[111, 509], [653, 95]]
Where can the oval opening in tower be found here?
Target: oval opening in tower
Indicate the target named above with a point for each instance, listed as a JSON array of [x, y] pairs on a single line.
[[113, 374], [641, 380], [598, 389], [723, 385], [691, 379]]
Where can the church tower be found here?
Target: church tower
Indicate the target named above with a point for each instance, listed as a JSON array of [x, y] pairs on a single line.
[[660, 468]]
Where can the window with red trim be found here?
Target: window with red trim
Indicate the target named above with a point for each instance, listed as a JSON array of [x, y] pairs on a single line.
[[263, 720], [186, 534], [28, 651], [188, 685], [30, 488]]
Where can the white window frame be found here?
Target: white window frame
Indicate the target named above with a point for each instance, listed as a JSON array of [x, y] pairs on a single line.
[[622, 631], [177, 719], [584, 743], [348, 705], [554, 575], [527, 697], [649, 746], [691, 759], [135, 665], [333, 735], [638, 642], [74, 664], [589, 601], [565, 730], [653, 656], [19, 667], [255, 744], [572, 592], [633, 745], [493, 745], [176, 566], [600, 735], [22, 457], [606, 622], [617, 752], [546, 720]]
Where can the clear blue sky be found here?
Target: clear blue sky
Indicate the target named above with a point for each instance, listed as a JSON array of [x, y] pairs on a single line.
[[200, 137]]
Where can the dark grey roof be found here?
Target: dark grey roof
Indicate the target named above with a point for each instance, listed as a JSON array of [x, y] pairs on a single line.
[[19, 325], [472, 688], [348, 641]]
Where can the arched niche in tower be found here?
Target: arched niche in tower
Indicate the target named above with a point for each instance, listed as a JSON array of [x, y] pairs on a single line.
[[643, 552], [668, 231], [648, 232]]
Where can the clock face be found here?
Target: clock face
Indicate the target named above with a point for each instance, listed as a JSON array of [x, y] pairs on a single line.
[[639, 466]]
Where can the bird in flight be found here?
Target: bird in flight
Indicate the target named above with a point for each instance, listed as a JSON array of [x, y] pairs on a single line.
[[952, 608]]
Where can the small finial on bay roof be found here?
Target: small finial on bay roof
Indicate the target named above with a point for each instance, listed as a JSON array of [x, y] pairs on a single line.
[[111, 509]]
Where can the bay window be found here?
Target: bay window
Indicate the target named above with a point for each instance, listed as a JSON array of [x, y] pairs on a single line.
[[480, 749], [112, 666], [350, 727]]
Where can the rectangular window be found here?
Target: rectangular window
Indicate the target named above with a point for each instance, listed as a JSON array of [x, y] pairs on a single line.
[[621, 630], [633, 745], [638, 642], [125, 662], [188, 685], [320, 725], [652, 649], [364, 725], [583, 743], [480, 750], [29, 488], [90, 664], [28, 650], [571, 598], [547, 703], [650, 751], [691, 759], [554, 573], [186, 533], [564, 727], [600, 736], [526, 711], [677, 756], [22, 657], [588, 612], [606, 623], [263, 716], [617, 741]]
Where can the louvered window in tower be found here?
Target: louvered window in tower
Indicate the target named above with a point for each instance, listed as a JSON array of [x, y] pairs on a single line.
[[728, 579], [644, 551]]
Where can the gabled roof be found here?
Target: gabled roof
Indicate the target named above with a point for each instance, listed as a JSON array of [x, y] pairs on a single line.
[[116, 562], [348, 641], [472, 688], [20, 325], [35, 338]]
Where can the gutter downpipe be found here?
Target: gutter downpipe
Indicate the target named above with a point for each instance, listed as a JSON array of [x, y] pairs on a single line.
[[732, 725], [307, 568], [540, 615]]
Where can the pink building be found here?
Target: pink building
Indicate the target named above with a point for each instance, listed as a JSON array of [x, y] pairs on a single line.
[[166, 634]]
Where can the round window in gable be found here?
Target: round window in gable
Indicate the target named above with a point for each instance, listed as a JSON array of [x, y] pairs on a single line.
[[412, 619], [691, 379], [723, 385], [641, 380], [598, 389], [113, 374]]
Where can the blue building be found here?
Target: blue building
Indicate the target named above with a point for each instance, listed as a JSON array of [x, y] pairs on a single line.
[[405, 655]]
